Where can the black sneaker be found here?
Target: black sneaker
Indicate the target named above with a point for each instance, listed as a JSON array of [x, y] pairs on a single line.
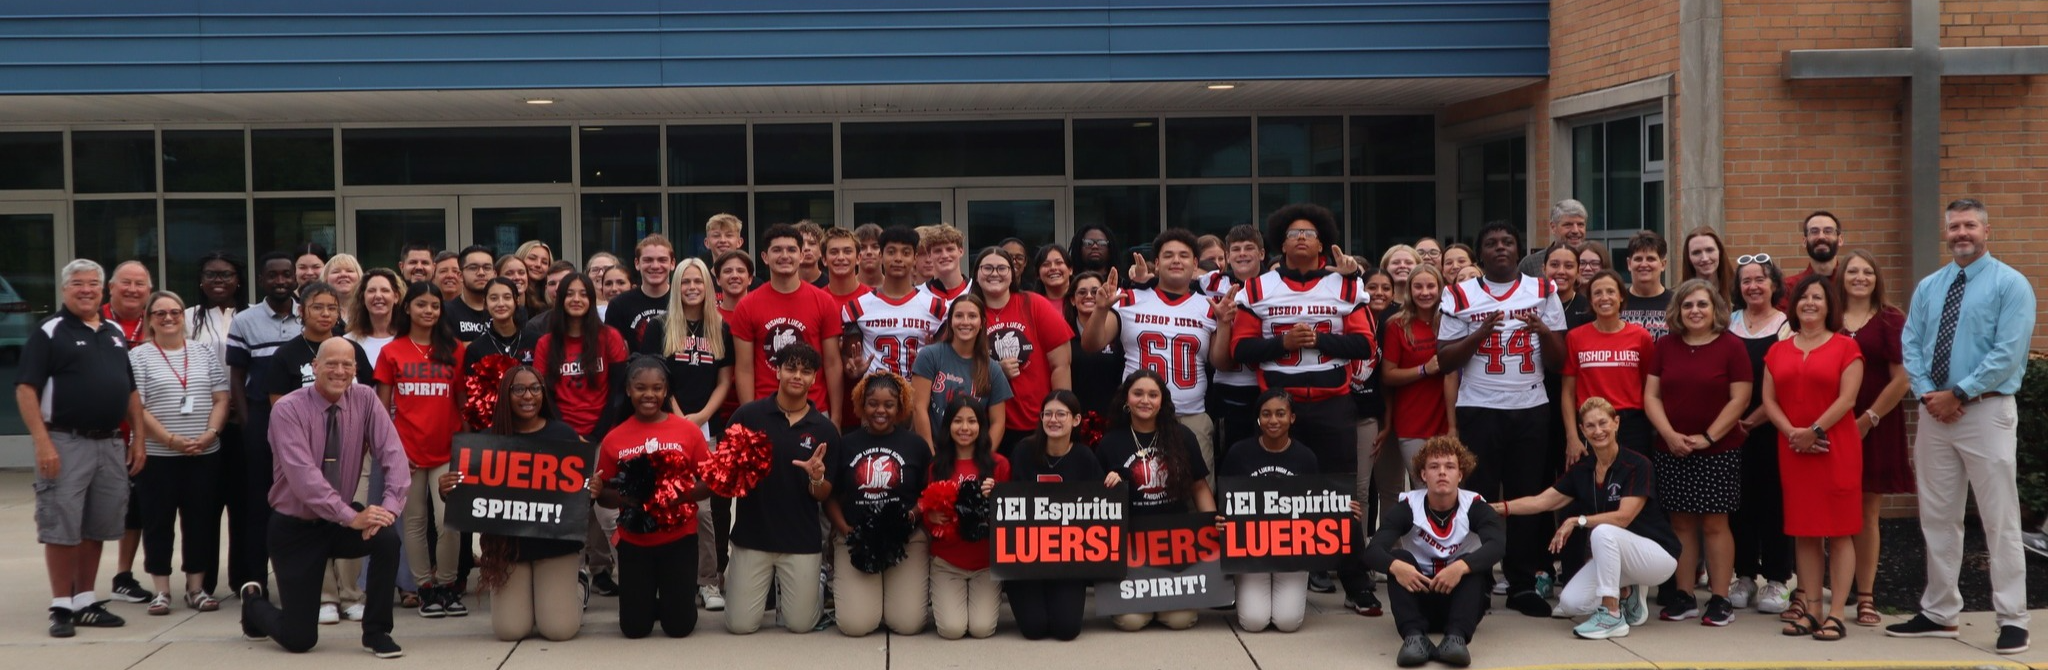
[[250, 592], [60, 622], [1415, 651], [1679, 608], [1319, 582], [2012, 639], [97, 616], [126, 589], [451, 601], [381, 646], [1364, 603], [1452, 652], [1720, 612], [1530, 603], [431, 606], [602, 583], [1921, 626]]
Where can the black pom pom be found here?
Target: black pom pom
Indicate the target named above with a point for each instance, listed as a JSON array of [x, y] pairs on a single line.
[[878, 543], [973, 510]]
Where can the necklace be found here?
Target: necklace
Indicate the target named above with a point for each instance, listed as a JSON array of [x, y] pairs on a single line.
[[1148, 443], [1443, 519], [504, 347]]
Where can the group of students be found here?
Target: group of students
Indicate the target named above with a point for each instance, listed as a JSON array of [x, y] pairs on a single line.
[[1665, 444]]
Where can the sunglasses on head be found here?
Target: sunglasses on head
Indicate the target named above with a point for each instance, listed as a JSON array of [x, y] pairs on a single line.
[[1753, 258]]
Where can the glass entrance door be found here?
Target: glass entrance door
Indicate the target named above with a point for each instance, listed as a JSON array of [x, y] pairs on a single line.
[[503, 222], [910, 207], [380, 227], [28, 294], [1036, 215]]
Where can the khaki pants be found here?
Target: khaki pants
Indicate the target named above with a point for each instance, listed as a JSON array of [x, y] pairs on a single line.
[[338, 586], [1387, 469], [1174, 619], [433, 559], [798, 596], [1205, 437], [1977, 454], [897, 596], [964, 602], [597, 543], [707, 546], [540, 596]]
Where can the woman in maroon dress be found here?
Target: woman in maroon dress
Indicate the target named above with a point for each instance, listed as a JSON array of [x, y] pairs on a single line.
[[1810, 384], [1875, 324]]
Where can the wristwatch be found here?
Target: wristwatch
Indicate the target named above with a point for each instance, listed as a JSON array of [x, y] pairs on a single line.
[[1959, 394], [1582, 521]]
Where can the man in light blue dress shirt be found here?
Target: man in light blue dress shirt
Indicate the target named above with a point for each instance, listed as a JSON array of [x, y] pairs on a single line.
[[1965, 344]]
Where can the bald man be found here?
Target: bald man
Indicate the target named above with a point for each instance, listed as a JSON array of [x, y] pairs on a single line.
[[320, 436], [127, 300]]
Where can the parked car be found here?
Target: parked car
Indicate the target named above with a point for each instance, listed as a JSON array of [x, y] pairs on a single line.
[[16, 317]]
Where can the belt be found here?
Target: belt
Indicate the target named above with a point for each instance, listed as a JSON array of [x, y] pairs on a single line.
[[1984, 396], [107, 434]]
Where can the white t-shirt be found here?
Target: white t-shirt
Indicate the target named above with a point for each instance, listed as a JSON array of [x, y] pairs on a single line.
[[177, 388], [1507, 370]]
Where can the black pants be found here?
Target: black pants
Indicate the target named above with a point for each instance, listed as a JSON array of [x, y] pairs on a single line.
[[1633, 432], [1047, 607], [300, 549], [1330, 429], [180, 496], [246, 490], [658, 583], [1510, 444], [1236, 419], [1455, 613], [1761, 547], [721, 531]]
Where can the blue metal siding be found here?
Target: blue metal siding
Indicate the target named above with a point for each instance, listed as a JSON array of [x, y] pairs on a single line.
[[121, 46]]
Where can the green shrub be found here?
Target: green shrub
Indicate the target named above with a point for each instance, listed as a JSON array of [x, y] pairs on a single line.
[[2033, 434]]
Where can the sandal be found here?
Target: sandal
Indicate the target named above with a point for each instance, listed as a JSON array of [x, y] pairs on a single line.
[[202, 601], [160, 605], [1866, 611], [1797, 609], [1831, 630], [1804, 626], [409, 600]]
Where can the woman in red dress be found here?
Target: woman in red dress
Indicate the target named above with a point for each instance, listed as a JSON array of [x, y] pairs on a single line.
[[1810, 385], [1875, 325]]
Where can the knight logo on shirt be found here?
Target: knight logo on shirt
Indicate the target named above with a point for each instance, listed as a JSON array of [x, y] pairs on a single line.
[[782, 332], [1614, 492], [876, 472], [1148, 476], [1006, 340]]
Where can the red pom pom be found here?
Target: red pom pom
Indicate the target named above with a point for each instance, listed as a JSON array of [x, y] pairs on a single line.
[[670, 505], [741, 462], [939, 497], [1089, 432], [481, 404]]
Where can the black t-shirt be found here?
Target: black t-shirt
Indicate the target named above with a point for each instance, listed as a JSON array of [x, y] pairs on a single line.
[[1628, 476], [1078, 465], [518, 346], [1578, 311], [630, 312], [692, 371], [779, 515], [1145, 472], [534, 549], [875, 469], [468, 323], [1097, 374], [1248, 458], [291, 367], [81, 372], [1647, 312]]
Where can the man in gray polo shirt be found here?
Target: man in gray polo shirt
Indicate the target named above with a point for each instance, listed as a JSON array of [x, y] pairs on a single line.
[[73, 364]]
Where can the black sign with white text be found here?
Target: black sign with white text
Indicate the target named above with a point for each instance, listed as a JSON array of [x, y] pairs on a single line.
[[520, 486], [1175, 563], [1284, 524], [1058, 531]]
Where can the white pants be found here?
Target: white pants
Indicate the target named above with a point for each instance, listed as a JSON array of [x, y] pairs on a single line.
[[1620, 558], [1974, 454], [1276, 598]]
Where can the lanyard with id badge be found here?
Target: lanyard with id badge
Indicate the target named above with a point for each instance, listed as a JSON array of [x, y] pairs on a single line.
[[183, 375]]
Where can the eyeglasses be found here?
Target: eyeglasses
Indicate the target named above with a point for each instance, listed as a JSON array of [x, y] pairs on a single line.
[[1057, 415], [1753, 258], [165, 314], [1094, 243], [321, 308], [1309, 233], [217, 276], [526, 389], [995, 269]]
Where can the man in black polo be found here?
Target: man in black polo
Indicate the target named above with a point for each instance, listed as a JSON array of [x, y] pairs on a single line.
[[73, 364]]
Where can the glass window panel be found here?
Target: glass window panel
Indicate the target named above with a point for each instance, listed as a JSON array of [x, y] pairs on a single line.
[[1589, 173], [34, 161], [382, 233], [1653, 205], [118, 161], [28, 292], [195, 228], [990, 221], [910, 214], [775, 207], [503, 229], [621, 155], [692, 210], [112, 231], [1208, 209], [284, 223], [292, 160], [1131, 213], [501, 155], [203, 161], [793, 153], [1209, 148], [614, 222], [897, 150], [1625, 174], [1388, 146], [1301, 146], [707, 155], [1389, 213], [1272, 197], [1116, 148]]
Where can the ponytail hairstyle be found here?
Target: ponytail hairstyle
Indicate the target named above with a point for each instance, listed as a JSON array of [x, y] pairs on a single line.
[[443, 334], [1167, 437], [984, 453]]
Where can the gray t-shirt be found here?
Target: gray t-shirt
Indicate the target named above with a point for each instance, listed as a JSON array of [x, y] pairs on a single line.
[[952, 376]]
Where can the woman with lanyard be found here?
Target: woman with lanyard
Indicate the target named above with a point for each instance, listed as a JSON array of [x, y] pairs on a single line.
[[532, 581], [698, 356], [1876, 326], [369, 325], [1609, 499], [882, 469], [1412, 375], [959, 365], [184, 389], [1761, 547], [420, 381], [507, 336], [1698, 386], [1029, 339], [1052, 454], [656, 564], [220, 298], [965, 599], [576, 356], [1147, 447]]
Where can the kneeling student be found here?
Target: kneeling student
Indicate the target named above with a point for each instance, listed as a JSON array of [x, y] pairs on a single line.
[[1432, 543]]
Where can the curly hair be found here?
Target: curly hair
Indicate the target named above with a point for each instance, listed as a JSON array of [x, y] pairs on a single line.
[[1441, 446], [884, 380]]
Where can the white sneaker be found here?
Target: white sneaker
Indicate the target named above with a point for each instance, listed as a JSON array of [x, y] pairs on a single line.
[[2035, 542], [353, 612], [1741, 591], [714, 600], [329, 614], [1774, 598], [1500, 586]]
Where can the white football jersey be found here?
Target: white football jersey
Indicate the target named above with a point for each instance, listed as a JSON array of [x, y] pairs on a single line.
[[1170, 337], [1507, 370], [1216, 284], [1436, 546], [892, 332], [1323, 304]]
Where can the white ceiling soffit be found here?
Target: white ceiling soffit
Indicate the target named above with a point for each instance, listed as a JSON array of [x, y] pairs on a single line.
[[751, 101]]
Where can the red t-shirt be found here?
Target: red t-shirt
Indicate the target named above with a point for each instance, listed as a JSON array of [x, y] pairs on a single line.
[[580, 393], [424, 394], [1609, 365], [841, 300], [768, 320], [965, 555], [1694, 384], [1027, 328], [1418, 407], [634, 438]]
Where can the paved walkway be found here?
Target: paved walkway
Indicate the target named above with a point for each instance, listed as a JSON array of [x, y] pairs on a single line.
[[1331, 639]]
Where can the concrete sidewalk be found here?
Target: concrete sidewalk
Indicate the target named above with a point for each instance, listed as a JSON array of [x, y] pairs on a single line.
[[1332, 638]]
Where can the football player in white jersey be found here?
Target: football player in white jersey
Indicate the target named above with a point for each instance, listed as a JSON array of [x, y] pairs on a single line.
[[1170, 329], [899, 316], [1438, 545], [1495, 331], [1235, 387]]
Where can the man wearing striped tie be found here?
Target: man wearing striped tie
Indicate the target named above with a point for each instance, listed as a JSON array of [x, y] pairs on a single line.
[[1965, 344]]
